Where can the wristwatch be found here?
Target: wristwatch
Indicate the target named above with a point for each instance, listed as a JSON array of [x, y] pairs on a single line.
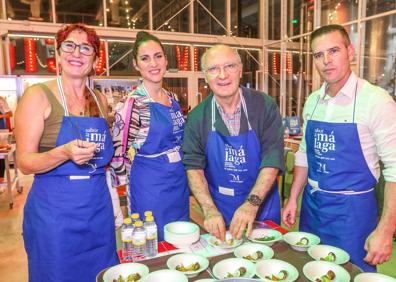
[[254, 200]]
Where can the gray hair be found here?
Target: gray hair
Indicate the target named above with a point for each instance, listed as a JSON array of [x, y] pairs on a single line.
[[218, 46]]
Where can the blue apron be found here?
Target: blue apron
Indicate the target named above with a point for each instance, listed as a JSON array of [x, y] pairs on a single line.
[[68, 225], [339, 202], [158, 180], [233, 164]]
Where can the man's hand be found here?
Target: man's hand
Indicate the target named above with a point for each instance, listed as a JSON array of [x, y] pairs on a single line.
[[214, 223], [289, 213], [243, 218], [379, 247]]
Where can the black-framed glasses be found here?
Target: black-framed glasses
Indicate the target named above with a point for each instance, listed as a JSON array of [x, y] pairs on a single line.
[[70, 46]]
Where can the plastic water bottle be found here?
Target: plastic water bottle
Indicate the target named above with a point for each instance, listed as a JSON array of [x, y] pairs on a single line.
[[151, 237], [138, 241], [126, 239], [135, 217], [148, 213]]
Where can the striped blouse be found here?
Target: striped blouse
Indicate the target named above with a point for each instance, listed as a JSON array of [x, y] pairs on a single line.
[[130, 129]]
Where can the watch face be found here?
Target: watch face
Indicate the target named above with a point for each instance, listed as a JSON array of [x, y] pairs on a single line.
[[254, 200]]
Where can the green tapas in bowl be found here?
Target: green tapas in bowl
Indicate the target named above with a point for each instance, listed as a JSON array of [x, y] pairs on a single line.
[[328, 253], [189, 264], [126, 272], [254, 252], [324, 271], [301, 241], [276, 270], [227, 244], [233, 268], [265, 236]]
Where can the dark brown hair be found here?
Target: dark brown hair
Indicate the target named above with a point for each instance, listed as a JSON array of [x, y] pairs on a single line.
[[141, 38], [331, 28], [92, 37]]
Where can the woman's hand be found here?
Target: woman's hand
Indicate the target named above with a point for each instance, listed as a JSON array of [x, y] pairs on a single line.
[[80, 151]]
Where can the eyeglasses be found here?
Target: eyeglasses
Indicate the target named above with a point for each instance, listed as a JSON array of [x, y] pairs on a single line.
[[216, 70], [70, 46]]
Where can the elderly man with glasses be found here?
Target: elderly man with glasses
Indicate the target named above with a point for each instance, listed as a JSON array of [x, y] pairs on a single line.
[[233, 149]]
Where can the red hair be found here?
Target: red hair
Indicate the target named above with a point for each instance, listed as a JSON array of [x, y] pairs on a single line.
[[92, 37]]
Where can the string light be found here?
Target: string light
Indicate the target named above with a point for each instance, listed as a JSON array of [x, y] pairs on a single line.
[[30, 55]]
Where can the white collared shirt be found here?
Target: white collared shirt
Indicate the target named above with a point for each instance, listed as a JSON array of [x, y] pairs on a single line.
[[375, 115]]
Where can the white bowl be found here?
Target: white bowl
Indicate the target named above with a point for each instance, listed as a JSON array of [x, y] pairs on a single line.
[[274, 267], [316, 269], [251, 249], [323, 252], [166, 275], [227, 244], [124, 270], [187, 260], [292, 238], [206, 280], [263, 236], [373, 277], [231, 266], [181, 234]]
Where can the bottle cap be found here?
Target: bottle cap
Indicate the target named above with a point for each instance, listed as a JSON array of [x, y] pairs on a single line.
[[135, 216], [127, 220], [148, 213], [138, 223], [149, 218]]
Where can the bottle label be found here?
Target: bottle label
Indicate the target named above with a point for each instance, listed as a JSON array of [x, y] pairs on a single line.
[[151, 232], [126, 235], [139, 239]]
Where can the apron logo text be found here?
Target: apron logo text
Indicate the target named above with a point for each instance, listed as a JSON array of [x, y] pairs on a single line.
[[234, 157], [324, 142], [93, 135], [178, 121]]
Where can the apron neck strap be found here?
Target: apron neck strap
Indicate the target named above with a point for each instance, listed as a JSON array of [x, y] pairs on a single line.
[[244, 108], [354, 104], [148, 94], [63, 97]]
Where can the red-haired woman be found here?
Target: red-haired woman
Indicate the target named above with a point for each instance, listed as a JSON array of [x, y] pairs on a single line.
[[63, 138]]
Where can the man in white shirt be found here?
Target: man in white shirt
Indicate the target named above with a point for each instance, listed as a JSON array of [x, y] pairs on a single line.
[[349, 125]]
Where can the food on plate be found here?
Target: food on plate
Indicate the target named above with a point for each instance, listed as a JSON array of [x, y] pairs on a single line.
[[255, 256], [229, 242], [192, 267], [131, 278], [303, 241], [327, 278], [282, 275], [239, 273], [331, 257], [265, 238]]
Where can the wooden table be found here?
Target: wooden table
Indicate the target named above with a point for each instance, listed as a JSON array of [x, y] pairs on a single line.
[[281, 249], [14, 182]]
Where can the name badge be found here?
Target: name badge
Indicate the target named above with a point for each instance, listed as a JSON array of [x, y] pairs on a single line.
[[226, 191], [174, 157], [79, 177]]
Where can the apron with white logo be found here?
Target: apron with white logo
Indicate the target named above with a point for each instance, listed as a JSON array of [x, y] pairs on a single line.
[[68, 226], [339, 202], [233, 164], [158, 180]]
